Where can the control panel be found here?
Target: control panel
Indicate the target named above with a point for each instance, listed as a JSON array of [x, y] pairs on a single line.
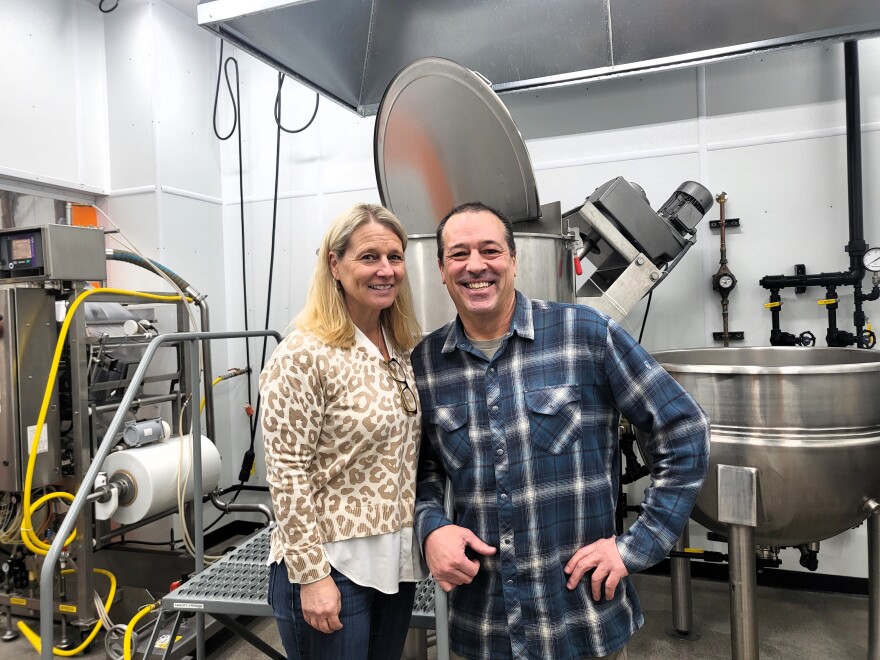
[[52, 252]]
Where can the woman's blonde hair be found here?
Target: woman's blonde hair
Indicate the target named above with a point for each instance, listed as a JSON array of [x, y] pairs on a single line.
[[325, 314]]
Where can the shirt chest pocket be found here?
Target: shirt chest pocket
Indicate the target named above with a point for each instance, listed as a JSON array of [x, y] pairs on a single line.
[[453, 434], [554, 417]]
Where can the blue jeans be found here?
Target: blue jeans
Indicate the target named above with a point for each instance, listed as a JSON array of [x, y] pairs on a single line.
[[374, 625]]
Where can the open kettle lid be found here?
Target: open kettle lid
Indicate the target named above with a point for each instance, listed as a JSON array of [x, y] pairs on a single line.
[[443, 138]]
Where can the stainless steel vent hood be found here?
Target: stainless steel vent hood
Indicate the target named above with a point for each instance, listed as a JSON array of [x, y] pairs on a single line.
[[349, 50]]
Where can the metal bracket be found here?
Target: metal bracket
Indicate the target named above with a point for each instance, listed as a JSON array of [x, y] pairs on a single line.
[[738, 495], [729, 222], [625, 292], [732, 335], [800, 269]]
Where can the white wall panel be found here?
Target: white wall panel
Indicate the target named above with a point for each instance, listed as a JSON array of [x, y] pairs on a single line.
[[53, 114], [775, 94], [869, 68], [130, 60], [788, 215], [185, 66], [135, 215], [346, 150], [608, 119], [300, 153]]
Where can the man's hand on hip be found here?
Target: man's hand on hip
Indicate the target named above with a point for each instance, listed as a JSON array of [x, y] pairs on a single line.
[[445, 554], [602, 556]]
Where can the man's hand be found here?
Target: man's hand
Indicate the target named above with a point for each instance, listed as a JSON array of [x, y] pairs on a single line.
[[445, 555], [605, 558], [321, 604]]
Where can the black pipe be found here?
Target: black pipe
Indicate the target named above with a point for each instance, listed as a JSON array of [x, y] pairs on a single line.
[[831, 308], [857, 245], [846, 278]]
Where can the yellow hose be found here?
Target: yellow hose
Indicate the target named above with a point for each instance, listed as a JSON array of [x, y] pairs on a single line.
[[213, 383], [34, 638], [28, 537], [126, 641]]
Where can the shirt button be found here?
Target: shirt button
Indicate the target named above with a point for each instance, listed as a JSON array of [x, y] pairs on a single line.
[[494, 408], [503, 496], [492, 369], [506, 541], [510, 582], [500, 452]]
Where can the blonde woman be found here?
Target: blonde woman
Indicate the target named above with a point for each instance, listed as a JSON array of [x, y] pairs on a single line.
[[341, 426]]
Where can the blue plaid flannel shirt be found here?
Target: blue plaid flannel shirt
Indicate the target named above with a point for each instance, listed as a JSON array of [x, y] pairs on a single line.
[[529, 440]]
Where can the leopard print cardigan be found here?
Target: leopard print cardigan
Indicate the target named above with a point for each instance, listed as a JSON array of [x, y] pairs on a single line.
[[340, 452]]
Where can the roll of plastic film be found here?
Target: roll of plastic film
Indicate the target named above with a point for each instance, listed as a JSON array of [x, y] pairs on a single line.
[[153, 470]]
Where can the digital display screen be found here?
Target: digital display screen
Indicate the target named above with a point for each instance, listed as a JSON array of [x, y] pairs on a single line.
[[22, 249]]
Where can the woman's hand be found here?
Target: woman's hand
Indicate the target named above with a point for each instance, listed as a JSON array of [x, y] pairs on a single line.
[[321, 604]]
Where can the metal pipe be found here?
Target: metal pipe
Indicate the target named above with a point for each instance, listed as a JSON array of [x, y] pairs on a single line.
[[856, 247], [441, 603], [682, 597], [122, 530], [88, 481], [138, 403], [874, 581], [198, 512], [232, 507], [743, 593], [205, 319]]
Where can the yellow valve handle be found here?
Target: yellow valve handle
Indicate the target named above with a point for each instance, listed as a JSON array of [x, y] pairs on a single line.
[[772, 304], [827, 301]]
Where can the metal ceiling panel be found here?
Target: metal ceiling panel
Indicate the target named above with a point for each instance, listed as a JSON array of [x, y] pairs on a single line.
[[504, 40], [349, 50], [321, 44], [643, 32]]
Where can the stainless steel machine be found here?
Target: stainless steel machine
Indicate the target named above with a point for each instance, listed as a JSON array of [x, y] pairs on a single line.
[[794, 459], [443, 138], [46, 271]]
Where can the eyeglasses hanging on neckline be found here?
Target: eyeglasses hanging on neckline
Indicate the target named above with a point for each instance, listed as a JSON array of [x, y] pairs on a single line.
[[407, 396]]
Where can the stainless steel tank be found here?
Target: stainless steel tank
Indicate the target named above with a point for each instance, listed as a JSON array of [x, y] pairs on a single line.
[[807, 419], [544, 270], [444, 138]]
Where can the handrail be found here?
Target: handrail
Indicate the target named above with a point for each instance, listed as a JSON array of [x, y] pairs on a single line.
[[85, 489]]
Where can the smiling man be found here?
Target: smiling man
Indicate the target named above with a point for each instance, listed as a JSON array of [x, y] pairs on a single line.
[[522, 400]]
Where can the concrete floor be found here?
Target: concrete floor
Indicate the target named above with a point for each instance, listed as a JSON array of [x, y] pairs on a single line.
[[794, 625]]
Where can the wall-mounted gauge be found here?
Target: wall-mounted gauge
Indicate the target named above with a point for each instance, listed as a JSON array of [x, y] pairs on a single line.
[[871, 260]]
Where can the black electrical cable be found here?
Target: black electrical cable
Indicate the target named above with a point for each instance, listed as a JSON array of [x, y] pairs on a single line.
[[236, 123], [248, 460], [107, 11], [249, 456], [281, 77], [645, 317]]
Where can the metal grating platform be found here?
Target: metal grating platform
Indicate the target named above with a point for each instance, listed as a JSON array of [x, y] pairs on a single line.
[[238, 584]]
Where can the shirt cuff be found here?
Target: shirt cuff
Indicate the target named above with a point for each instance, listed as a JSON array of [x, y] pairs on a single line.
[[634, 555], [308, 566], [429, 522]]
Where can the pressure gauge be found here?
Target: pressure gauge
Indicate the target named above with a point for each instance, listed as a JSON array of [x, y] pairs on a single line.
[[725, 282], [871, 260]]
